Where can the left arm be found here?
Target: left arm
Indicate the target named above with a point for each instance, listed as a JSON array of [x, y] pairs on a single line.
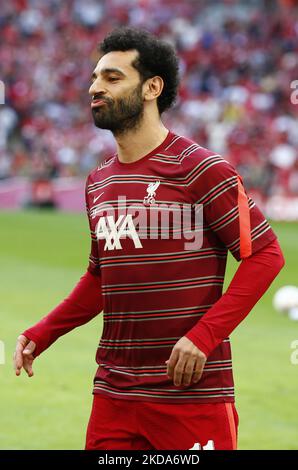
[[250, 282], [243, 230]]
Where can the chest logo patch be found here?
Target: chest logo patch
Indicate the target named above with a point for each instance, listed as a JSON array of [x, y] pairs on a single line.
[[151, 193]]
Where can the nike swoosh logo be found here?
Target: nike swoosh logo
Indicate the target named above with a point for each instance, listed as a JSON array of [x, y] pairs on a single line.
[[97, 197]]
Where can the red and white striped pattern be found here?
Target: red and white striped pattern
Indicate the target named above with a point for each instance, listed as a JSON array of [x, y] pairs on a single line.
[[155, 294]]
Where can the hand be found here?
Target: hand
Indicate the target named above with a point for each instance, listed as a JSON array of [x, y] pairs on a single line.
[[186, 362], [23, 355]]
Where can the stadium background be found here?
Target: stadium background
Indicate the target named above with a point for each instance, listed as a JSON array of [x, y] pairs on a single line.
[[238, 60]]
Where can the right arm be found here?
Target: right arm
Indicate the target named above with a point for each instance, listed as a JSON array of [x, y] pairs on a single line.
[[83, 303]]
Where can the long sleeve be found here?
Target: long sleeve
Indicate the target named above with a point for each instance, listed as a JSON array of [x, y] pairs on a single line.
[[250, 282], [83, 303]]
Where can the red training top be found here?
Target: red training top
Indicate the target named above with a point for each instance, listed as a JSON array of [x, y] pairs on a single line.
[[152, 289]]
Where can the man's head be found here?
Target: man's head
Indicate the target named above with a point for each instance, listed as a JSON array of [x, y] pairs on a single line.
[[135, 70]]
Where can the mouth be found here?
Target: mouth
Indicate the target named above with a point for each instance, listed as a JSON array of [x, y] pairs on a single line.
[[97, 103]]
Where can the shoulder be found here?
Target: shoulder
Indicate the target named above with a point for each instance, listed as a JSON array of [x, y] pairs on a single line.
[[96, 174], [203, 171], [186, 153]]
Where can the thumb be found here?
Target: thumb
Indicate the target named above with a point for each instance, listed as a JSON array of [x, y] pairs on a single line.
[[29, 348]]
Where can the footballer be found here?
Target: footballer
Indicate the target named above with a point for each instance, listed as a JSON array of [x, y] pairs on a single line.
[[164, 378]]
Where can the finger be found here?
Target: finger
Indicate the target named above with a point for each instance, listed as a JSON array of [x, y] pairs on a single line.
[[172, 363], [18, 358], [29, 348], [188, 370], [179, 370], [198, 370], [16, 368], [28, 366]]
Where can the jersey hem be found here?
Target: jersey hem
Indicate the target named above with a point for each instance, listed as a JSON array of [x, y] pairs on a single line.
[[165, 400]]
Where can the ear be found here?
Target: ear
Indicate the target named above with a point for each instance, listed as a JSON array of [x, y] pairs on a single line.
[[153, 88]]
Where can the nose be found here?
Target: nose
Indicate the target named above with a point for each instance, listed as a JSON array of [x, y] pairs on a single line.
[[97, 88]]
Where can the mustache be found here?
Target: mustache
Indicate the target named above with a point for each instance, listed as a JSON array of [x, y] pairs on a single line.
[[98, 96]]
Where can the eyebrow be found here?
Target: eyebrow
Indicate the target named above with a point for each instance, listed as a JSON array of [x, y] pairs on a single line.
[[109, 70]]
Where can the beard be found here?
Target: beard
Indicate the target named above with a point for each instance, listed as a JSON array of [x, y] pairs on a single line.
[[121, 115]]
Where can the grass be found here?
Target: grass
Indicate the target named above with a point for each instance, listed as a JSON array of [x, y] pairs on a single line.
[[43, 254]]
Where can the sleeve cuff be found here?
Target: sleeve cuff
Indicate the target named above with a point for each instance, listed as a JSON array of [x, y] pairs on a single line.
[[201, 339], [37, 340]]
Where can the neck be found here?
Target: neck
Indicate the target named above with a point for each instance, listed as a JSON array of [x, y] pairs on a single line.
[[136, 143]]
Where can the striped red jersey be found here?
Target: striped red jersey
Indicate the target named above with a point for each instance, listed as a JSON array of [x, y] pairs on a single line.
[[155, 287]]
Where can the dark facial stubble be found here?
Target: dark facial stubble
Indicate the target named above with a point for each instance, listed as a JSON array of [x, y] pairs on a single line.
[[121, 115]]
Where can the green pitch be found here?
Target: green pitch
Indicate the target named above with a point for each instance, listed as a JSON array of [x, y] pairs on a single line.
[[42, 256]]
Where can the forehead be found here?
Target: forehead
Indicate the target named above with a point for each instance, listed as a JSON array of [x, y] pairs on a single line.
[[118, 59]]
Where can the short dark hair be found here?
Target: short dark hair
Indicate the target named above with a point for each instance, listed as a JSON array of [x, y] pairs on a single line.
[[156, 57]]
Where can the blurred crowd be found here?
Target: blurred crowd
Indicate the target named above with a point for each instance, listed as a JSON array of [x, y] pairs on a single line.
[[237, 60]]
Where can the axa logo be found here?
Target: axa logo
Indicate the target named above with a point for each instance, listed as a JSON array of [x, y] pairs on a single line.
[[151, 193], [112, 230]]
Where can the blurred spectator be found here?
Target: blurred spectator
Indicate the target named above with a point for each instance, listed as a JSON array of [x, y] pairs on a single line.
[[238, 59]]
